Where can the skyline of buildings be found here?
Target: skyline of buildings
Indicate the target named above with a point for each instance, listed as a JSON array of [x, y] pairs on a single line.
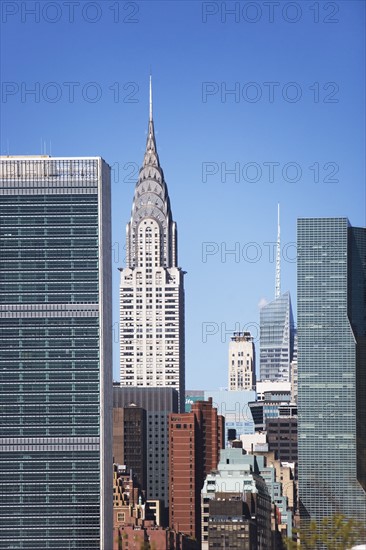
[[55, 362], [227, 130], [147, 364]]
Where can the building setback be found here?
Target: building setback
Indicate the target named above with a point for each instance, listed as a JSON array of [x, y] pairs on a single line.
[[236, 478], [331, 368], [55, 361], [195, 442], [151, 286]]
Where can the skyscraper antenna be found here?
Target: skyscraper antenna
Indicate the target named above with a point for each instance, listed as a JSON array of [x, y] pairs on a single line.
[[278, 257], [150, 112]]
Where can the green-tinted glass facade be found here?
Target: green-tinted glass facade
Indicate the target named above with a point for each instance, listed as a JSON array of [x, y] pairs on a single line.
[[54, 272], [331, 368]]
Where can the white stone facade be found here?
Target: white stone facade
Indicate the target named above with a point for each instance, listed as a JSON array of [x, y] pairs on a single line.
[[241, 362]]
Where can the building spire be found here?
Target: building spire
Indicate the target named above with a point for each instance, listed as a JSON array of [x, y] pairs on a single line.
[[278, 257], [151, 111], [151, 156]]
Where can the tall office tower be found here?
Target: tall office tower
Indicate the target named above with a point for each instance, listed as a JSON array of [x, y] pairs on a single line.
[[277, 330], [151, 291], [331, 368], [195, 442], [158, 403], [241, 362], [55, 361], [130, 441], [276, 339]]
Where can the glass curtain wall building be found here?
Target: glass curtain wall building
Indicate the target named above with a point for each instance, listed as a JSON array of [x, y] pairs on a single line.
[[331, 368], [55, 360], [276, 339]]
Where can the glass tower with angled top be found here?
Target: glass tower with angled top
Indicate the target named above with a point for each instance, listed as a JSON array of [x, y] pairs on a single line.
[[277, 330], [331, 368], [151, 288], [276, 339]]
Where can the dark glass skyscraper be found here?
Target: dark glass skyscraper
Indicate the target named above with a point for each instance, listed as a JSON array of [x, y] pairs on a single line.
[[332, 368], [55, 360]]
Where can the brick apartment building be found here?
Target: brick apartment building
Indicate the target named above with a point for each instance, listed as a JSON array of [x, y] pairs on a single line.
[[195, 440]]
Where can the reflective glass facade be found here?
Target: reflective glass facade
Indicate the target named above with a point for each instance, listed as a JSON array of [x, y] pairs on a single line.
[[331, 368], [276, 339], [55, 369]]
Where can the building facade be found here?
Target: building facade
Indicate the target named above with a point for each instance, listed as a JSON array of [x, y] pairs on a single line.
[[282, 438], [237, 475], [195, 442], [151, 288], [277, 334], [230, 523], [55, 361], [331, 368], [130, 441], [241, 364], [271, 407], [158, 403]]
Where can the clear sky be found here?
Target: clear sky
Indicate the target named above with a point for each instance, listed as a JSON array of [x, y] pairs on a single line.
[[292, 131]]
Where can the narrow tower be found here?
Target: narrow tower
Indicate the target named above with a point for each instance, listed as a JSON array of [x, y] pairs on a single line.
[[151, 291]]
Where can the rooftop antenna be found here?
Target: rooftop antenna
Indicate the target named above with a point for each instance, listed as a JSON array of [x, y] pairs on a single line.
[[278, 256], [150, 102]]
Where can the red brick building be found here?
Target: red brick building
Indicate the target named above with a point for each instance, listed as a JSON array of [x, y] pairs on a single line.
[[195, 440]]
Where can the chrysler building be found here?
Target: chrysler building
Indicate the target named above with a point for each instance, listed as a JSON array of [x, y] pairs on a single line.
[[151, 287]]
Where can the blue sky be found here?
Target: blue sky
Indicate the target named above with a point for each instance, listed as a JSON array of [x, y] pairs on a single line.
[[292, 131]]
